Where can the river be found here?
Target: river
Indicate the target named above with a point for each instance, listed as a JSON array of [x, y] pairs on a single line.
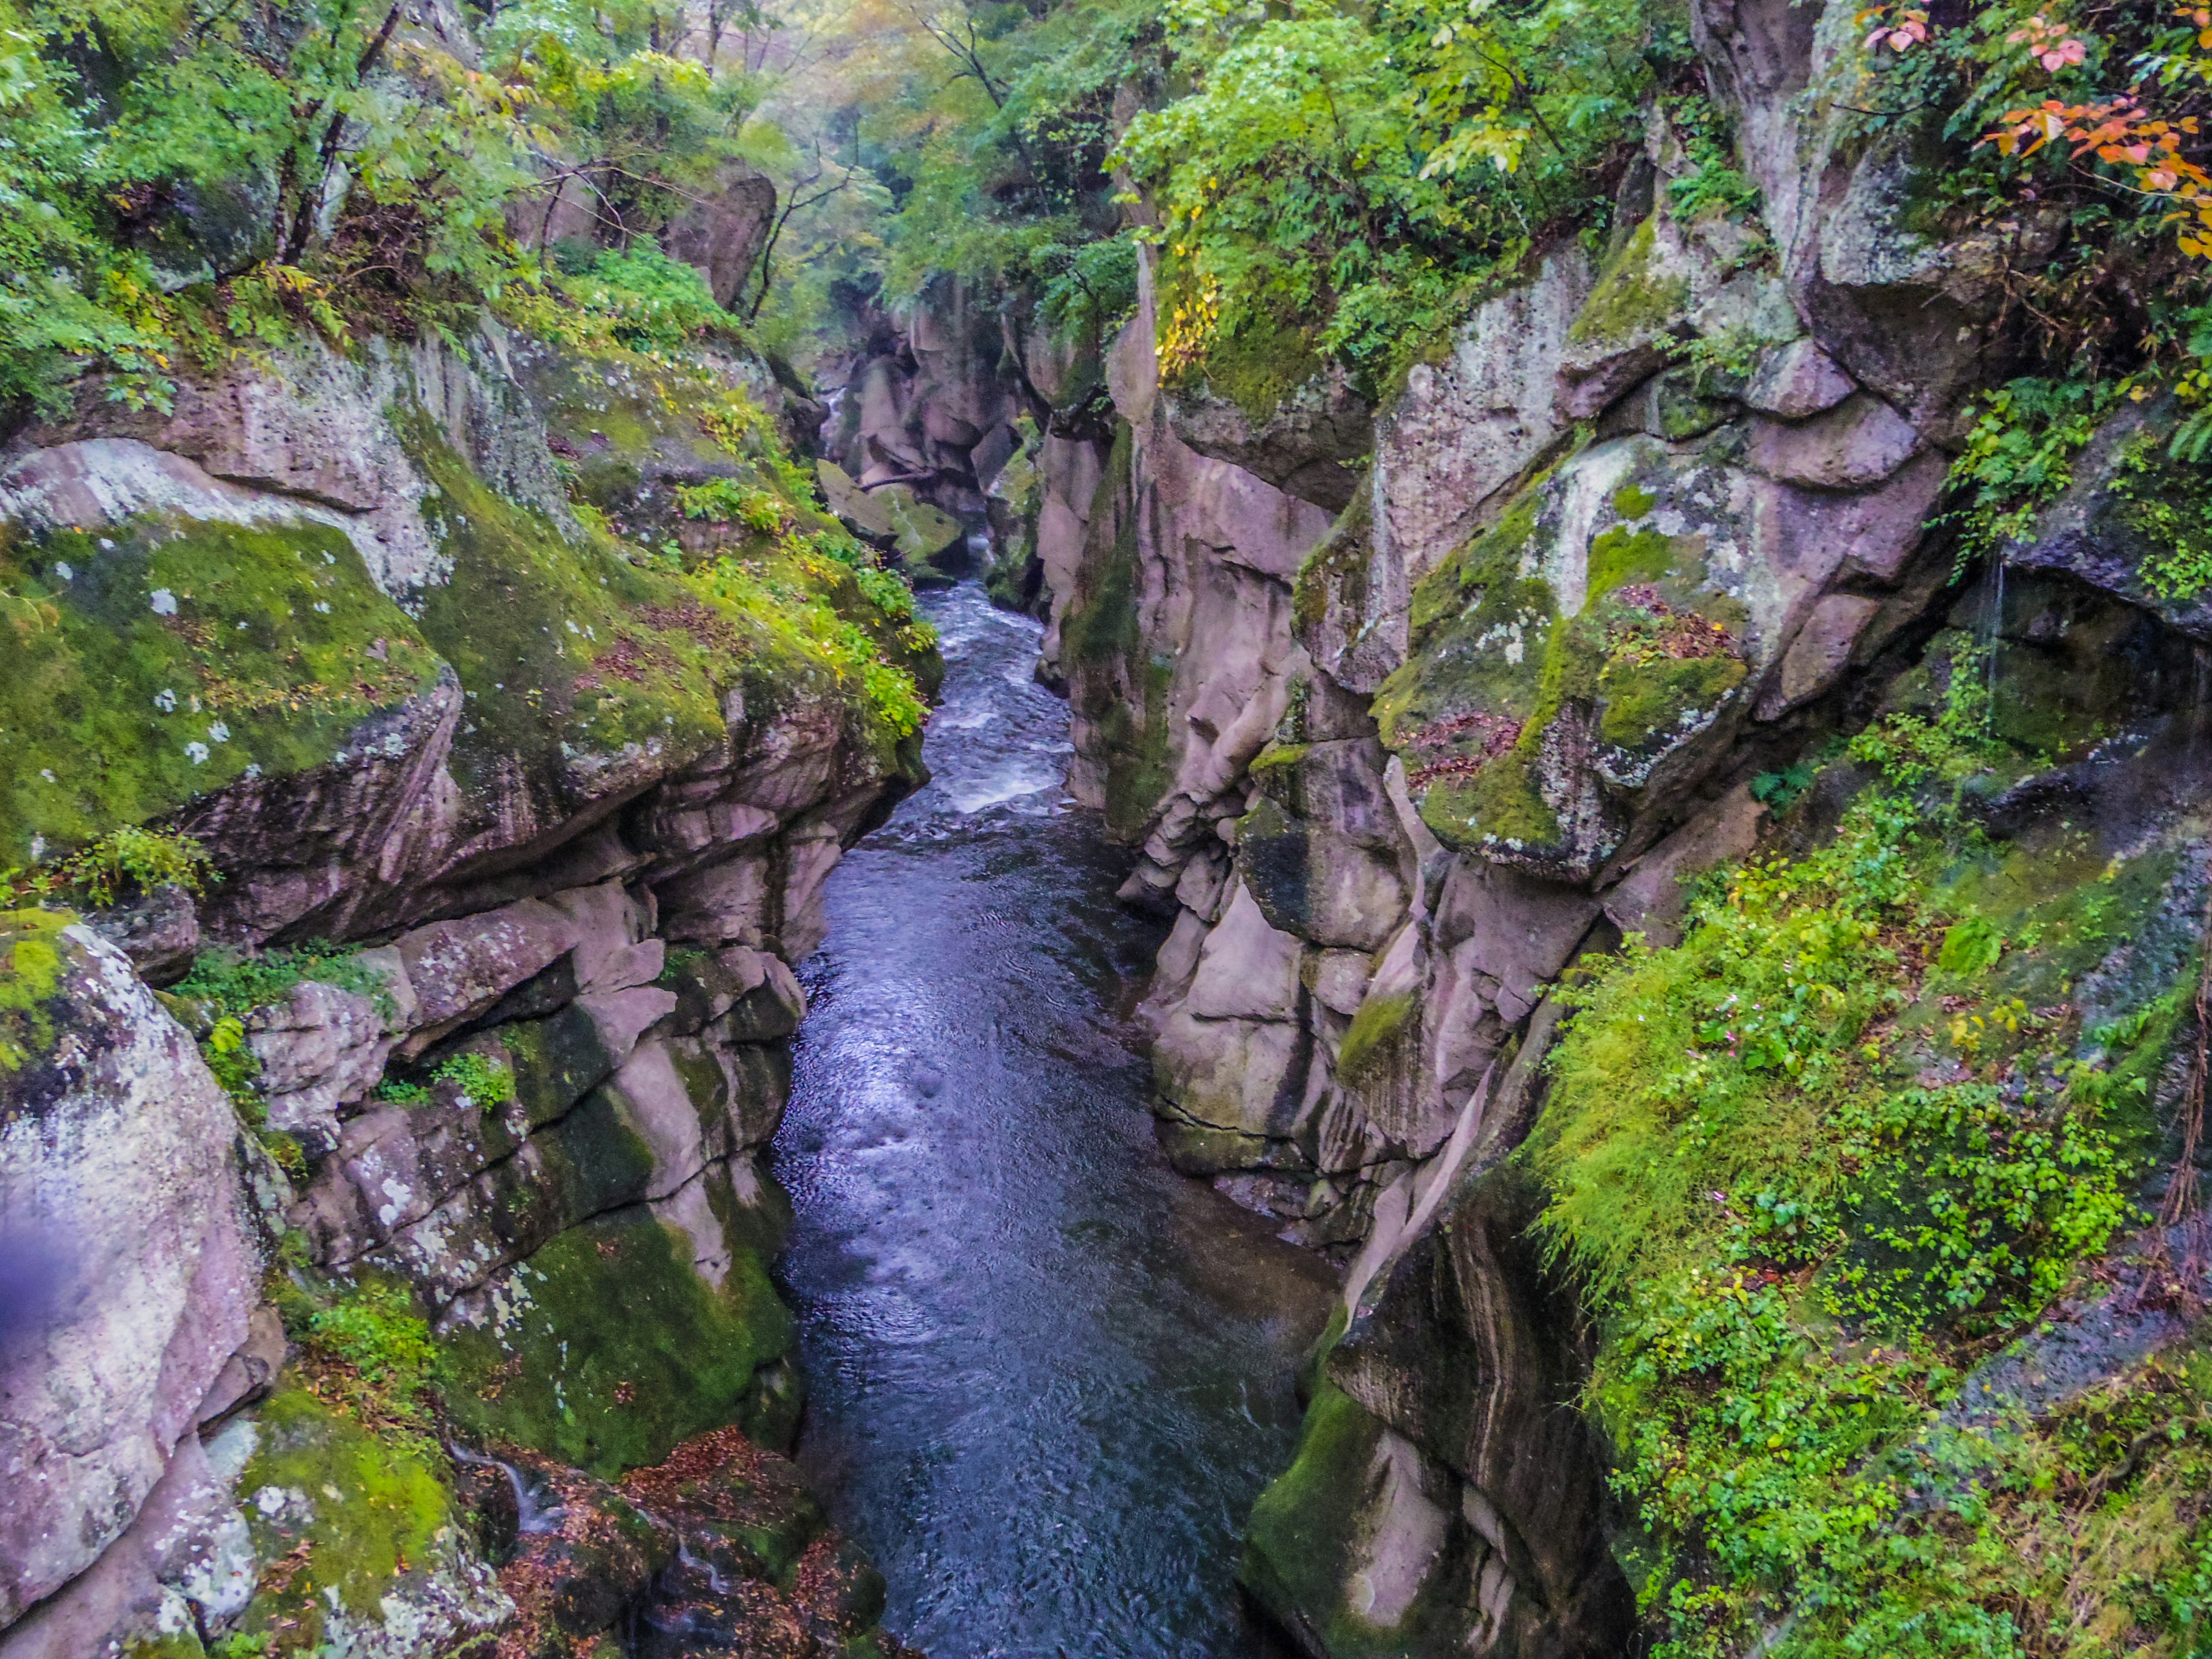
[[1047, 1375]]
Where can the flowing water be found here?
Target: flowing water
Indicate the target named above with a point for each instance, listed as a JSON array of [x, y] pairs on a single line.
[[1047, 1376]]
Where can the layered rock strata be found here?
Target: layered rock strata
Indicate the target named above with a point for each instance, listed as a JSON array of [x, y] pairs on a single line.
[[516, 835], [1656, 525]]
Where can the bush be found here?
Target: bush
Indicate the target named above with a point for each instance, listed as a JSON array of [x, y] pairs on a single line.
[[120, 863]]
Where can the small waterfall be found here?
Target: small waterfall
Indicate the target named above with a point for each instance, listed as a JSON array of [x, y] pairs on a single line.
[[531, 1516], [1992, 632], [715, 1582]]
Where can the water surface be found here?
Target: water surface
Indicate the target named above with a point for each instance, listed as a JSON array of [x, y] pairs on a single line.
[[1047, 1375]]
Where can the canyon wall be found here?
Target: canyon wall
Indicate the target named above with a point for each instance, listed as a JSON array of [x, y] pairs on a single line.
[[1408, 710], [481, 1019]]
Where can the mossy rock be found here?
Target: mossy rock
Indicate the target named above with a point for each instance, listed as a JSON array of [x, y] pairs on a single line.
[[1509, 715], [164, 657], [1257, 368], [1380, 1030], [609, 1349], [31, 954], [1303, 1544], [1633, 295], [1119, 686], [359, 1534]]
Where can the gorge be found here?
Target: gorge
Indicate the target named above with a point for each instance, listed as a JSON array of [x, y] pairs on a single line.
[[1104, 828]]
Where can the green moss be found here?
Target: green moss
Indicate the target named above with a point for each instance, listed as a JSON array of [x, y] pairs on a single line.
[[368, 1510], [1302, 1547], [30, 977], [555, 1061], [174, 657], [1644, 701], [1621, 555], [1333, 576], [1274, 769], [525, 617], [1501, 802], [1494, 667], [615, 1350], [1258, 365], [1486, 560], [1373, 1035], [1632, 501], [1629, 299]]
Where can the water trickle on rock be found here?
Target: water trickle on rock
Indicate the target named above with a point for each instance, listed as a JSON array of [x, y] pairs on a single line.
[[1049, 1376]]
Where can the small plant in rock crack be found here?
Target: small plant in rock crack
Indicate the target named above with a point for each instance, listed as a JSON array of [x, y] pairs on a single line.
[[123, 861], [484, 1082]]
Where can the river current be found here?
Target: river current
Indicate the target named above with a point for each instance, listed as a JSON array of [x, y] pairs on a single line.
[[1047, 1375]]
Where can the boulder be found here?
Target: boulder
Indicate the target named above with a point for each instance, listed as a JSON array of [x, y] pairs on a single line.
[[133, 1267], [721, 232]]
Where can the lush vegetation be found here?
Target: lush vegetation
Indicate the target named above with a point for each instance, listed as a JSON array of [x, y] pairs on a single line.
[[1365, 175], [1818, 1164], [123, 863], [2072, 139], [192, 177]]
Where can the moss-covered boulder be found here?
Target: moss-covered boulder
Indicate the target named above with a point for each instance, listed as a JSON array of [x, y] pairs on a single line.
[[363, 1548], [1264, 400], [156, 661], [606, 1348], [1579, 654]]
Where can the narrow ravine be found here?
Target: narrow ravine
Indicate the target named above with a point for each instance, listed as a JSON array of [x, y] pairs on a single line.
[[1047, 1375]]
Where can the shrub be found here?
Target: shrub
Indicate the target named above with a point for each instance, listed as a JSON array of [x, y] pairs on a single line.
[[123, 861]]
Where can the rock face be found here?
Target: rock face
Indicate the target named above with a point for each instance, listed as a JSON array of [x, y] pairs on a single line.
[[555, 823], [133, 1262], [1392, 775], [930, 403]]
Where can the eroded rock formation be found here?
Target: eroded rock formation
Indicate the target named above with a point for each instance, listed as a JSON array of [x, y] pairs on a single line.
[[1656, 525], [556, 824]]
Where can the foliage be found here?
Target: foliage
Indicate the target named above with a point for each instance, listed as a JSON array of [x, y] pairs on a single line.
[[640, 299], [484, 1082], [373, 1330], [1813, 1162], [2167, 501], [1369, 175], [841, 647], [1776, 791], [2018, 454], [229, 982], [1712, 182], [1088, 291], [725, 501], [123, 861], [231, 1058], [190, 178], [2067, 137]]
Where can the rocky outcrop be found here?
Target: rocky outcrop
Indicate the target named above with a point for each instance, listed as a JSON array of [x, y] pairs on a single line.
[[553, 813], [932, 401], [1657, 527], [133, 1260]]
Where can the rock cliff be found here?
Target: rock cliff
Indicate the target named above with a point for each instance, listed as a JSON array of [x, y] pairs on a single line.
[[514, 786], [1407, 725]]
